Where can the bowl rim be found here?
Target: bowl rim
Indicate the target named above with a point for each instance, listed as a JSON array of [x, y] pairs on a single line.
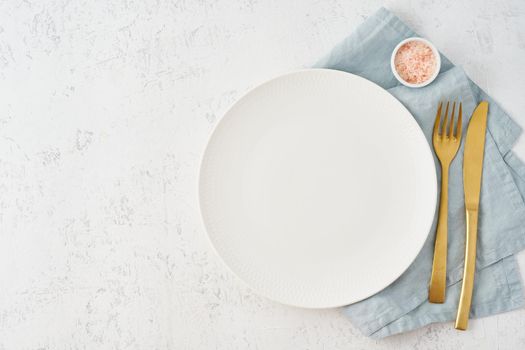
[[434, 51]]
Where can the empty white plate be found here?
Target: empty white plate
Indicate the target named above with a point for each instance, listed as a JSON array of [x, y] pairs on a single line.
[[318, 188]]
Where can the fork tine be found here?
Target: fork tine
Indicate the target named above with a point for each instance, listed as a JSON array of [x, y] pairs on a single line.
[[445, 120], [451, 127], [460, 122], [438, 120]]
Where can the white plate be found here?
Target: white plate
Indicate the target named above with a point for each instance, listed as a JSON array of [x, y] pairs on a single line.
[[318, 188]]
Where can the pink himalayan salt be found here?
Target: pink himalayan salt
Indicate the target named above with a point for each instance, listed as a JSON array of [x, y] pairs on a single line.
[[415, 62]]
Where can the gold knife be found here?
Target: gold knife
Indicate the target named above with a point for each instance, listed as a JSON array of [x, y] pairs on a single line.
[[472, 170]]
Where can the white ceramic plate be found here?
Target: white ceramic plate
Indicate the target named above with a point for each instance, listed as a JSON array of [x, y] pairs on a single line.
[[318, 188]]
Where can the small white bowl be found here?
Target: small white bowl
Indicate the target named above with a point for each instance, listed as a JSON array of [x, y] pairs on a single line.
[[434, 51]]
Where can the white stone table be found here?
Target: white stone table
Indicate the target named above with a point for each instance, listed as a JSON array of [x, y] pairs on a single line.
[[105, 107]]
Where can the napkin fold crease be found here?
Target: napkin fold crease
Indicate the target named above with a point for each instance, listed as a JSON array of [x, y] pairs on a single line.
[[403, 306]]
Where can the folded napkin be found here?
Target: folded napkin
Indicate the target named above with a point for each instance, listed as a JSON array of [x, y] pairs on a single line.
[[403, 305]]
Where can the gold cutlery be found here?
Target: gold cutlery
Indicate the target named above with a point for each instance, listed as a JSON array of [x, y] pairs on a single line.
[[446, 144], [472, 171]]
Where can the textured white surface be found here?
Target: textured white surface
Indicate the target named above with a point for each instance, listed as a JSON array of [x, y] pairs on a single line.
[[314, 240], [105, 107]]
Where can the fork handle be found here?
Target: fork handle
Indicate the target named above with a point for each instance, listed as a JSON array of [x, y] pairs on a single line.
[[438, 279], [467, 285]]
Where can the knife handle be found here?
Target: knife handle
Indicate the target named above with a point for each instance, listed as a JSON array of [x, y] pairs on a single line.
[[467, 286], [438, 278]]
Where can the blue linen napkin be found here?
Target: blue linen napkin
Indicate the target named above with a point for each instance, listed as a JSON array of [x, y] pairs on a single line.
[[403, 305]]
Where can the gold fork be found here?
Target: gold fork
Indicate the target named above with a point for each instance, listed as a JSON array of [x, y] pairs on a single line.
[[446, 145]]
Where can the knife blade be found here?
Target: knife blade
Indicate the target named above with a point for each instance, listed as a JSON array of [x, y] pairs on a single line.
[[473, 156], [472, 173]]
